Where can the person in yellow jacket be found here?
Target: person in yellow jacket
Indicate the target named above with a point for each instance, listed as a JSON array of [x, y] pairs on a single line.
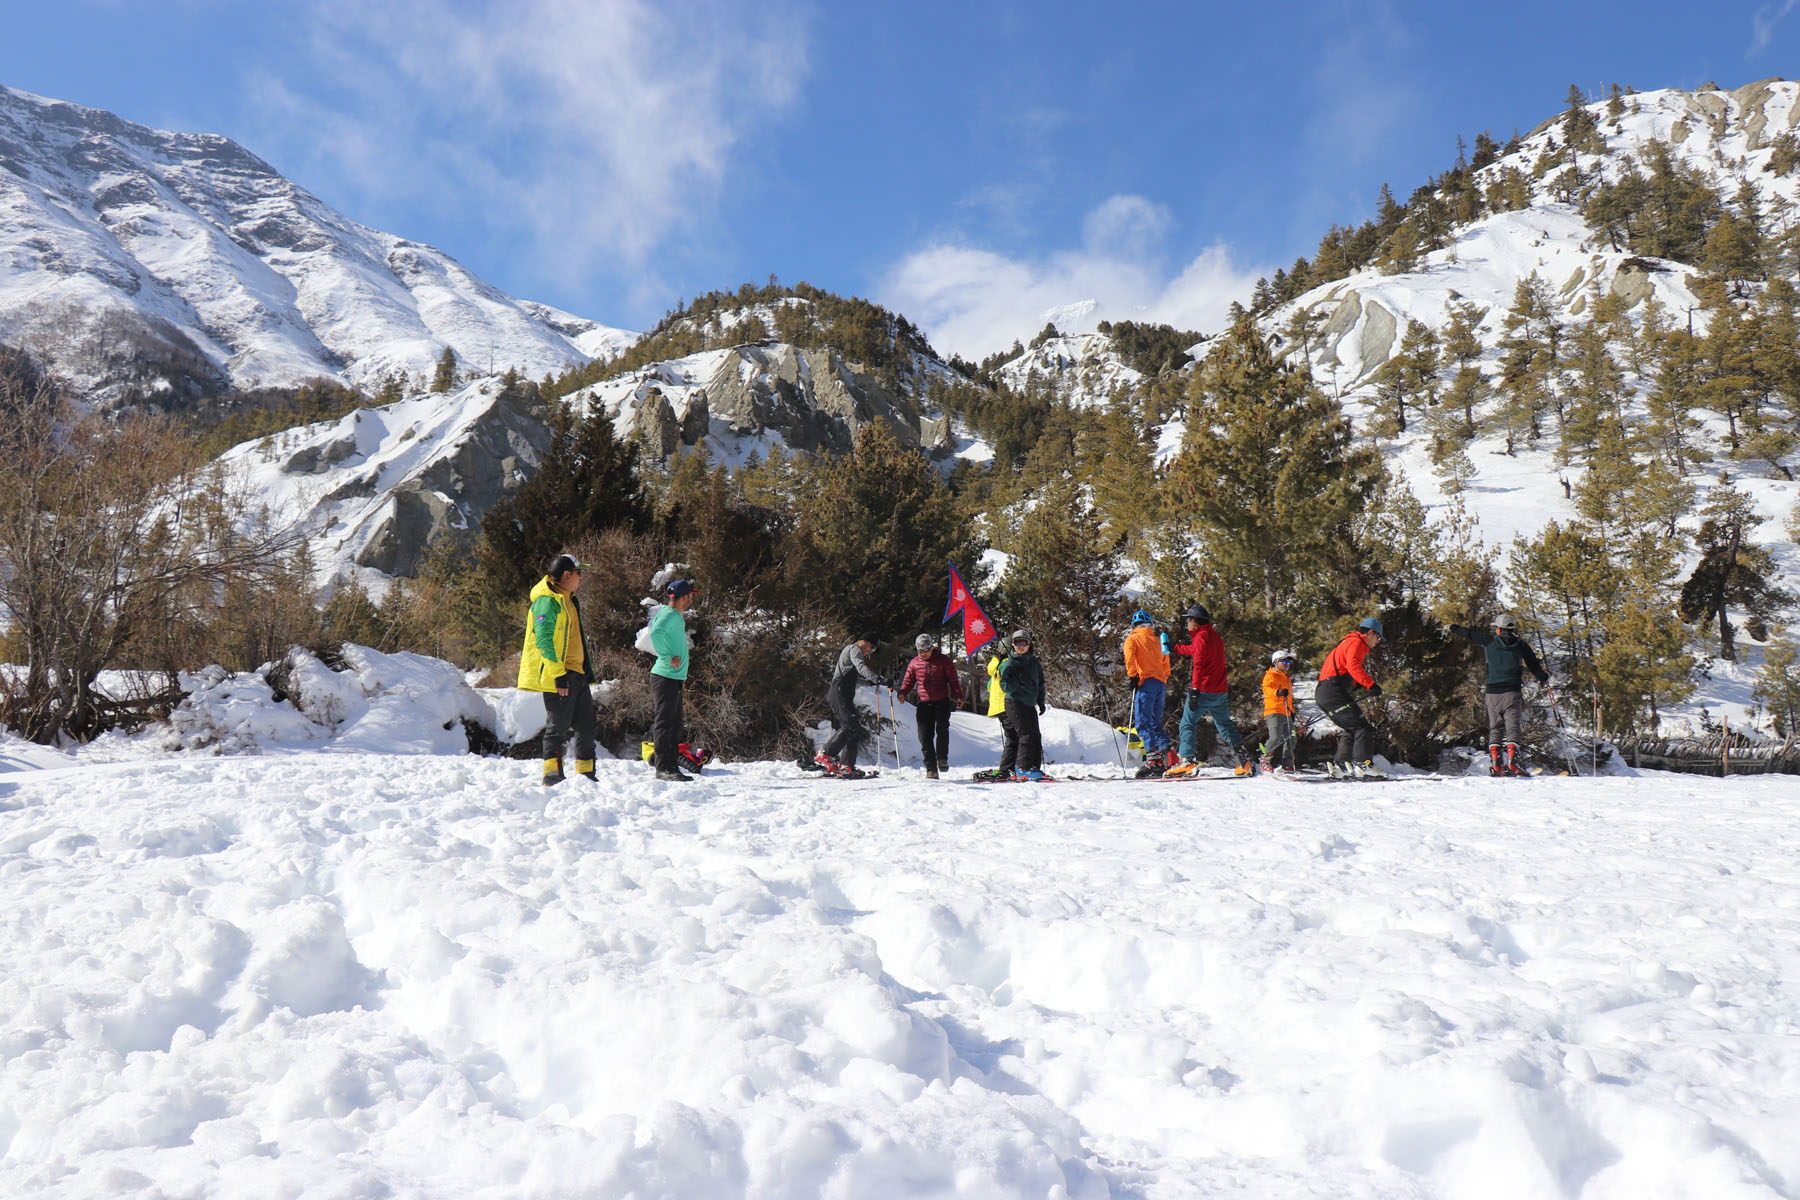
[[1009, 745], [1279, 711], [556, 662], [1147, 665]]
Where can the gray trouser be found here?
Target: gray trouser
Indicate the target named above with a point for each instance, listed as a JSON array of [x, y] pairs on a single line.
[[1280, 744], [1506, 714]]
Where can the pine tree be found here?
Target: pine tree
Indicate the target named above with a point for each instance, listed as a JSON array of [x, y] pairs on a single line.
[[1777, 686], [1065, 580], [1733, 571], [445, 379], [1594, 393], [1530, 355], [1269, 478], [1643, 666], [587, 482], [1409, 377], [880, 525]]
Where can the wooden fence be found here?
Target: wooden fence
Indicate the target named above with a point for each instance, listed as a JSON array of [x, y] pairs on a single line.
[[1722, 754]]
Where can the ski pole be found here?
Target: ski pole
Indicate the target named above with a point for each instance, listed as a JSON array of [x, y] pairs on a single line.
[[1562, 727], [1106, 704], [894, 716]]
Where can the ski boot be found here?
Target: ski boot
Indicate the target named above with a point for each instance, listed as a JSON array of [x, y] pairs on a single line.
[[1337, 770], [1366, 769], [1494, 767], [993, 775], [553, 772], [827, 763], [584, 767], [1032, 776], [1181, 769], [1514, 764], [1246, 763]]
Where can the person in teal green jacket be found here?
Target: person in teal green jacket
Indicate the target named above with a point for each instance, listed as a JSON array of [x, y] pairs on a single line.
[[668, 634]]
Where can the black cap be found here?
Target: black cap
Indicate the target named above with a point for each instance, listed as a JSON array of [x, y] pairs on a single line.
[[563, 563], [1199, 613]]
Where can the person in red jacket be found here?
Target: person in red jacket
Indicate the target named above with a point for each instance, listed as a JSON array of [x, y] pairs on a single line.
[[932, 687], [1342, 668], [1207, 697]]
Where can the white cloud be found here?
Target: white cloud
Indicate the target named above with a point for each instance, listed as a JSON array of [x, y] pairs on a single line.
[[973, 301], [600, 130], [1762, 25]]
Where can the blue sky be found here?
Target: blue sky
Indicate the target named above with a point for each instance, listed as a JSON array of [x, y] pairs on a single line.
[[972, 164]]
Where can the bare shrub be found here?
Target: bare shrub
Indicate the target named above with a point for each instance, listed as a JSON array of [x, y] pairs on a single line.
[[117, 546]]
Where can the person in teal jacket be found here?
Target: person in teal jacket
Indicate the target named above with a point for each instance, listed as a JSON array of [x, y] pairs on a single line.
[[668, 634]]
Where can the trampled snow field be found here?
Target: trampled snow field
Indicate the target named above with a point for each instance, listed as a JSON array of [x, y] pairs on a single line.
[[344, 974]]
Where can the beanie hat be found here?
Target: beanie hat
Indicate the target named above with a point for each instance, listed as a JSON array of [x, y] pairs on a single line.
[[1199, 613], [924, 642]]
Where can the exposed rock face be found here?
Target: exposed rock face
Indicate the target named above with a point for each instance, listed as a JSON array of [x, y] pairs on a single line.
[[448, 497], [752, 396]]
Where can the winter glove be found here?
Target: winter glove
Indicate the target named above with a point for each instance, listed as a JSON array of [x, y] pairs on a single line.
[[1135, 685], [1375, 689], [1040, 708]]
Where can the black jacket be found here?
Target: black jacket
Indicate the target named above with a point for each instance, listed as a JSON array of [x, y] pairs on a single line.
[[1508, 658]]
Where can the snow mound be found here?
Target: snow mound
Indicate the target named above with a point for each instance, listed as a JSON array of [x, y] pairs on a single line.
[[382, 703]]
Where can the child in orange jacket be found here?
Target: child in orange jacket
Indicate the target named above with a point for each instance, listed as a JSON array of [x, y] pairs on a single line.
[[1278, 711]]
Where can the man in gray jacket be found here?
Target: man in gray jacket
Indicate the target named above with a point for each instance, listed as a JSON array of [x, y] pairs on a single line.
[[838, 756]]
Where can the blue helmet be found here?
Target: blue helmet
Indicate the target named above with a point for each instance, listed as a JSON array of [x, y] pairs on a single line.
[[1372, 625], [1140, 617]]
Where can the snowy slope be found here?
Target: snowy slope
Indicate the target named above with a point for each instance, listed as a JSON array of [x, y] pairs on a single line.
[[354, 973], [111, 233]]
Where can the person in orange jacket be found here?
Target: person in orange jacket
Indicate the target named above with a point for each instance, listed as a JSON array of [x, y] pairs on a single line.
[[1147, 663], [1278, 711], [1341, 668]]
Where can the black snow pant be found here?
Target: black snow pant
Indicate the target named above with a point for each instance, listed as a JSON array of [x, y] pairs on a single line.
[[1024, 719], [574, 711], [1355, 735], [846, 720], [933, 720], [1009, 745], [666, 723]]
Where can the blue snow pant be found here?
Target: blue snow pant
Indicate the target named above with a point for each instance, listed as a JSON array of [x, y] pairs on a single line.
[[1216, 705], [1147, 715]]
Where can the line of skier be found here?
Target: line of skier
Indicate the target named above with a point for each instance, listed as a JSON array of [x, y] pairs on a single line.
[[555, 661]]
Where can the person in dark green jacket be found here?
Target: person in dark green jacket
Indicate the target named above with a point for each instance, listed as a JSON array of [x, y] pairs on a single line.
[[668, 633], [1022, 679], [1509, 656]]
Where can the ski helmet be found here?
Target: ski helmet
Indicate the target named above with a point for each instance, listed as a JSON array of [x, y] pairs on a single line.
[[1199, 613], [1140, 617], [1022, 635], [924, 642], [1506, 621], [1281, 656], [1372, 625]]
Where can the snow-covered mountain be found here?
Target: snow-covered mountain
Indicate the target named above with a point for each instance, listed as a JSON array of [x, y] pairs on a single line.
[[137, 261]]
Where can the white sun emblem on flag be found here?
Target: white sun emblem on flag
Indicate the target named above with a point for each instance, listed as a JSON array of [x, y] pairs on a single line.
[[977, 626]]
